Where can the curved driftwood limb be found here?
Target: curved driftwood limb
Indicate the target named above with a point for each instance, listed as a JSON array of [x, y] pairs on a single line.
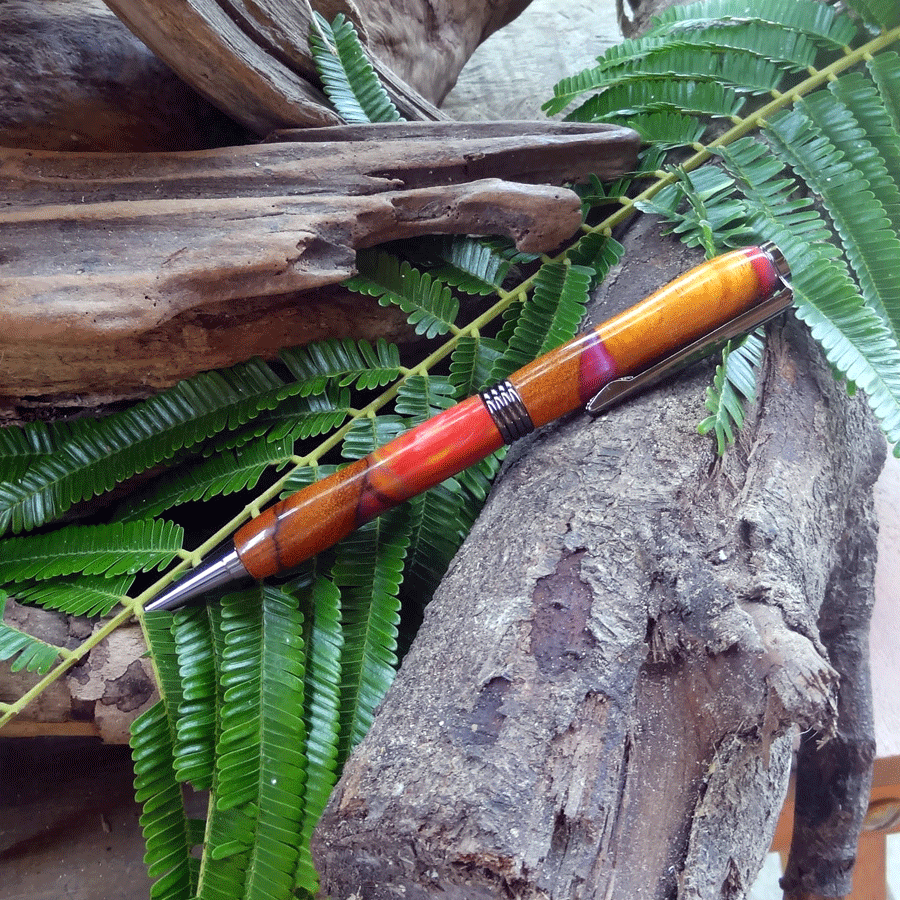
[[602, 699], [251, 57], [73, 77], [166, 254]]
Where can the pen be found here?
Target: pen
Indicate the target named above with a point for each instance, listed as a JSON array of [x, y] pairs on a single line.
[[713, 302]]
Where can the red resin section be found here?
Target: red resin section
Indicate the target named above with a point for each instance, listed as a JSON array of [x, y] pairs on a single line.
[[316, 518], [427, 455]]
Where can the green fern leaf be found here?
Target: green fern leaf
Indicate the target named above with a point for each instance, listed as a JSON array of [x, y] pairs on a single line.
[[260, 766], [598, 253], [304, 417], [551, 317], [26, 652], [21, 448], [885, 71], [99, 454], [880, 13], [430, 305], [117, 549], [659, 95], [224, 474], [422, 396], [472, 362], [702, 209], [167, 834], [347, 75], [348, 363], [324, 638], [81, 596], [439, 520], [664, 129], [195, 738], [470, 264], [368, 570], [369, 433], [817, 20], [870, 244], [734, 382]]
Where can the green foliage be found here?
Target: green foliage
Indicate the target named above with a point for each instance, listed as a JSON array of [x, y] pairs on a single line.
[[25, 651], [347, 75], [265, 694]]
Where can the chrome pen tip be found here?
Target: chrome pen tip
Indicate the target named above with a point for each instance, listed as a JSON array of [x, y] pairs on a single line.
[[215, 572]]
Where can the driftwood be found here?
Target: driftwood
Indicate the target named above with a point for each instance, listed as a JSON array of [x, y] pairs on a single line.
[[602, 699], [72, 77], [252, 59], [152, 253]]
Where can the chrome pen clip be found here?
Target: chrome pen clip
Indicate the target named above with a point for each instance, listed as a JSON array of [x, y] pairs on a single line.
[[621, 388]]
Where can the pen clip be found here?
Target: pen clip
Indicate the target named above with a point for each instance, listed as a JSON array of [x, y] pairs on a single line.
[[621, 388]]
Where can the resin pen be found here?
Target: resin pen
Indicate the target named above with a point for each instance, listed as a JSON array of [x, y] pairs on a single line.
[[717, 300]]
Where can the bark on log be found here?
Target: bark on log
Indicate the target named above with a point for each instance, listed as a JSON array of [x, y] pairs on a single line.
[[153, 252], [602, 699]]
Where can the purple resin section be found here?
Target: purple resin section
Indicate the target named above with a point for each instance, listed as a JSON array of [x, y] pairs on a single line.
[[596, 367]]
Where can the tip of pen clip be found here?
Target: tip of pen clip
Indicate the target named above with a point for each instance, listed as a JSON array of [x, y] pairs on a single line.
[[213, 573]]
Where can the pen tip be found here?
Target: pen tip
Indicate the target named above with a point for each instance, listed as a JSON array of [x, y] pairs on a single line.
[[215, 572]]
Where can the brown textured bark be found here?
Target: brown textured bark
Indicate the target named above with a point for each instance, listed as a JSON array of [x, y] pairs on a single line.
[[602, 699], [161, 259], [252, 60]]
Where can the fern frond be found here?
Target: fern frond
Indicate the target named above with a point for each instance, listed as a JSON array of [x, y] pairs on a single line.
[[659, 95], [116, 549], [815, 19], [350, 363], [260, 768], [471, 364], [195, 737], [347, 75], [734, 382], [25, 651], [470, 265], [859, 218], [422, 396], [368, 569], [664, 129], [880, 13], [430, 305], [550, 318], [226, 473], [885, 71], [167, 833], [324, 639], [369, 433], [21, 448], [100, 453], [79, 596], [439, 520], [702, 210]]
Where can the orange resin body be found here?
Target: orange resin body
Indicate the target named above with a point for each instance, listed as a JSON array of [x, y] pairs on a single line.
[[553, 385]]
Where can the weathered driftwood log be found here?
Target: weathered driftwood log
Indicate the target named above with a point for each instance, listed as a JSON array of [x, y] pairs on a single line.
[[252, 58], [121, 273], [73, 77], [602, 699]]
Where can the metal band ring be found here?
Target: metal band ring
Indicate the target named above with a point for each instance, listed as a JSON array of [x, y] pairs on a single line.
[[508, 411]]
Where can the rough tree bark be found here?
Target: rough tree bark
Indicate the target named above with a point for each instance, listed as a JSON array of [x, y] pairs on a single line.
[[603, 698]]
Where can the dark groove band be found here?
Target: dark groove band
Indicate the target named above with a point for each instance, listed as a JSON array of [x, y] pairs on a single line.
[[508, 411]]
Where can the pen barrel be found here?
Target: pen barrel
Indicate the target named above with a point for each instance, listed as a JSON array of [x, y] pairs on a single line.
[[555, 384], [320, 515], [683, 311]]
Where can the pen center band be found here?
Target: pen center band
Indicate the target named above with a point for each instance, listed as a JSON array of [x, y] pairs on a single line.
[[508, 411]]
